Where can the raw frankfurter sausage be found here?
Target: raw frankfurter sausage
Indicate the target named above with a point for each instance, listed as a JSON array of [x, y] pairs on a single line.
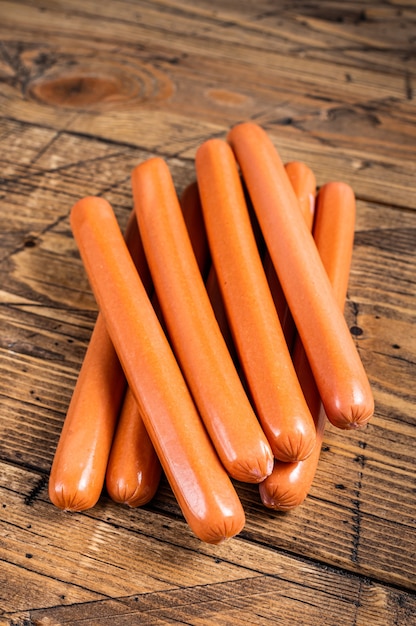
[[78, 470], [135, 247], [217, 303], [258, 336], [79, 465], [337, 367], [190, 203], [303, 182], [134, 471], [200, 348], [289, 483], [192, 212], [203, 490]]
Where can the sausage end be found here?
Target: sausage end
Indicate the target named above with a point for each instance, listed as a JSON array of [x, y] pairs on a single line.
[[254, 469], [293, 447], [221, 531], [358, 417], [71, 501], [139, 493], [281, 500]]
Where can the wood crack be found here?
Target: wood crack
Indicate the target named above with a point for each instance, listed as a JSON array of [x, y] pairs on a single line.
[[356, 503]]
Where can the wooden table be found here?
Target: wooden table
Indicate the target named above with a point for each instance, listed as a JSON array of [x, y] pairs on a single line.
[[88, 90]]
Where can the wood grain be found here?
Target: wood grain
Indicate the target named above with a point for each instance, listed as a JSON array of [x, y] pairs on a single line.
[[87, 91]]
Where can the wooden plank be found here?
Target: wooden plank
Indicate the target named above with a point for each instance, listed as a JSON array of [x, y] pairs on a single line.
[[343, 26], [259, 601], [279, 42], [154, 573], [143, 97]]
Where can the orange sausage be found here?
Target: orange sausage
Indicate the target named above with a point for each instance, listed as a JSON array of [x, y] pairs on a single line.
[[215, 297], [258, 336], [303, 182], [190, 203], [289, 483], [136, 250], [192, 212], [193, 329], [78, 469], [203, 490], [134, 471], [339, 373], [79, 465]]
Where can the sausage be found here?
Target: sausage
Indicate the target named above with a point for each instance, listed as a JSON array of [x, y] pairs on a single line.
[[215, 297], [257, 333], [289, 483], [193, 330], [201, 485], [190, 203], [339, 373], [78, 469], [303, 182], [133, 471]]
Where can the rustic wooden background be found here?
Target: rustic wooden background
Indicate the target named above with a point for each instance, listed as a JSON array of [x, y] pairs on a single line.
[[87, 90]]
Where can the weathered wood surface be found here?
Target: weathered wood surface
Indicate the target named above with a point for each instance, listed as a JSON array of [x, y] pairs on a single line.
[[88, 90]]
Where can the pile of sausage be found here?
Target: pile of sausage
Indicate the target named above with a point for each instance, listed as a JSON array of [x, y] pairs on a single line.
[[220, 348]]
